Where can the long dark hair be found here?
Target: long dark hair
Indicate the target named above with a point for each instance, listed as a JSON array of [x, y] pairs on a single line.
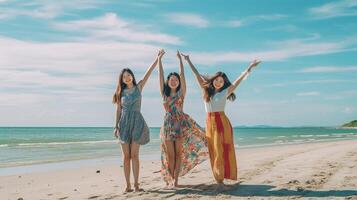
[[209, 89], [167, 89], [121, 85]]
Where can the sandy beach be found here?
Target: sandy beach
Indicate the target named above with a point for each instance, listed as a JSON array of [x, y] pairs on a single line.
[[325, 170]]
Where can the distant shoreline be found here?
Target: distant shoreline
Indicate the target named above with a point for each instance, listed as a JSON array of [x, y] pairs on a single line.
[[354, 128], [243, 126]]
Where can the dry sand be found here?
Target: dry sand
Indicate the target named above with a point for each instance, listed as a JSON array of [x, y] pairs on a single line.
[[325, 170]]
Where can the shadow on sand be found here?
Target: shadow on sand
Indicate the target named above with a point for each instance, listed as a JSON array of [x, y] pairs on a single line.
[[242, 190]]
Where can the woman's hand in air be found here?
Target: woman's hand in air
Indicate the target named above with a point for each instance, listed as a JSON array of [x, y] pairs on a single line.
[[254, 63], [161, 53]]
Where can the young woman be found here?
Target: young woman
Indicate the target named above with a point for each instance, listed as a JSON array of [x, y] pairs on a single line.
[[183, 142], [130, 126], [217, 89]]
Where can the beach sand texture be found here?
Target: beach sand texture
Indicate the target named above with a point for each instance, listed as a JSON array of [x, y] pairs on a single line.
[[326, 170]]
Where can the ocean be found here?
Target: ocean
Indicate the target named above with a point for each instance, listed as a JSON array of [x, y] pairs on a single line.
[[22, 146]]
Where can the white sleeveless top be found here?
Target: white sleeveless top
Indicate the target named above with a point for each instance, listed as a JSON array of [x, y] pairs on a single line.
[[217, 102]]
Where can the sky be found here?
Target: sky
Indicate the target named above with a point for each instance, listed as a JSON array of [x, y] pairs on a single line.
[[60, 60]]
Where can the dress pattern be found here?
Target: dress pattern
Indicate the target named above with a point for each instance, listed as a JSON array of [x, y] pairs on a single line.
[[132, 125], [219, 134], [178, 124]]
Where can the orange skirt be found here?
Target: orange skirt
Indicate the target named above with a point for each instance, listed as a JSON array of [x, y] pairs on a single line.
[[219, 133]]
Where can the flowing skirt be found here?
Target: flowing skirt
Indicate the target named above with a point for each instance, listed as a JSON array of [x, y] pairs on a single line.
[[194, 148], [133, 128], [219, 134]]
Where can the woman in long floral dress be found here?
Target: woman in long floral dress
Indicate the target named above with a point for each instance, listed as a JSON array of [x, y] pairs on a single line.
[[183, 141]]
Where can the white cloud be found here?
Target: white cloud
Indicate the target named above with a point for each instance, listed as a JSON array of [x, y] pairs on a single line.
[[10, 99], [323, 81], [74, 57], [33, 79], [111, 27], [335, 9], [328, 69], [44, 9], [348, 110], [188, 19], [143, 4], [75, 71], [271, 17], [235, 23], [280, 51], [199, 21], [252, 19], [303, 94]]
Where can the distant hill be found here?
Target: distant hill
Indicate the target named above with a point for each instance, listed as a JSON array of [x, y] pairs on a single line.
[[352, 124]]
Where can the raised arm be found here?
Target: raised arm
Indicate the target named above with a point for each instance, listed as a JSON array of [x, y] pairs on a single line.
[[194, 70], [143, 81], [242, 76], [161, 72], [117, 118], [182, 74]]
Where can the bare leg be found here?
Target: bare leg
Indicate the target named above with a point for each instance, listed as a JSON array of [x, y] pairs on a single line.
[[135, 164], [170, 149], [126, 162], [178, 156]]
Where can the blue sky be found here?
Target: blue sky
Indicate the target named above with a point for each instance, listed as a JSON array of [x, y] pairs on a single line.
[[59, 60]]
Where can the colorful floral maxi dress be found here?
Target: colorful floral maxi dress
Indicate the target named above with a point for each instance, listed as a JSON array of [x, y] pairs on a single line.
[[178, 124]]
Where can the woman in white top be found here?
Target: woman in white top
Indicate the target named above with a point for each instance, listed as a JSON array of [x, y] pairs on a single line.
[[219, 132]]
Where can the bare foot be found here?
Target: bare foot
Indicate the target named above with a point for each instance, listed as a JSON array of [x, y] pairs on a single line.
[[221, 187], [169, 186], [137, 188], [128, 189]]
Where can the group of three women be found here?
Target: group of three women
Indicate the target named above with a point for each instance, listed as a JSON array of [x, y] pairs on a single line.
[[184, 144]]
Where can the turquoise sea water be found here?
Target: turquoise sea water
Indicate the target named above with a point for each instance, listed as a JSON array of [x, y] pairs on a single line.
[[35, 145]]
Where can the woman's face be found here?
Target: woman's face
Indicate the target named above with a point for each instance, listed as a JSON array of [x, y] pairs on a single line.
[[127, 78], [218, 83], [173, 82]]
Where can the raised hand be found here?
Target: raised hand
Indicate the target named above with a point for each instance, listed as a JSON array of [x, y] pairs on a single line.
[[161, 53], [186, 57], [254, 63], [178, 54], [243, 76]]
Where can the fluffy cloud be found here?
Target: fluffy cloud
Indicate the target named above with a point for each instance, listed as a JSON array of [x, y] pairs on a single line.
[[335, 9], [189, 19], [111, 27]]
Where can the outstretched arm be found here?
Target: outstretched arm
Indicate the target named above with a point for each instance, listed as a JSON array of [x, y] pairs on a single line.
[[242, 76], [194, 70], [161, 72], [182, 74], [143, 81]]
